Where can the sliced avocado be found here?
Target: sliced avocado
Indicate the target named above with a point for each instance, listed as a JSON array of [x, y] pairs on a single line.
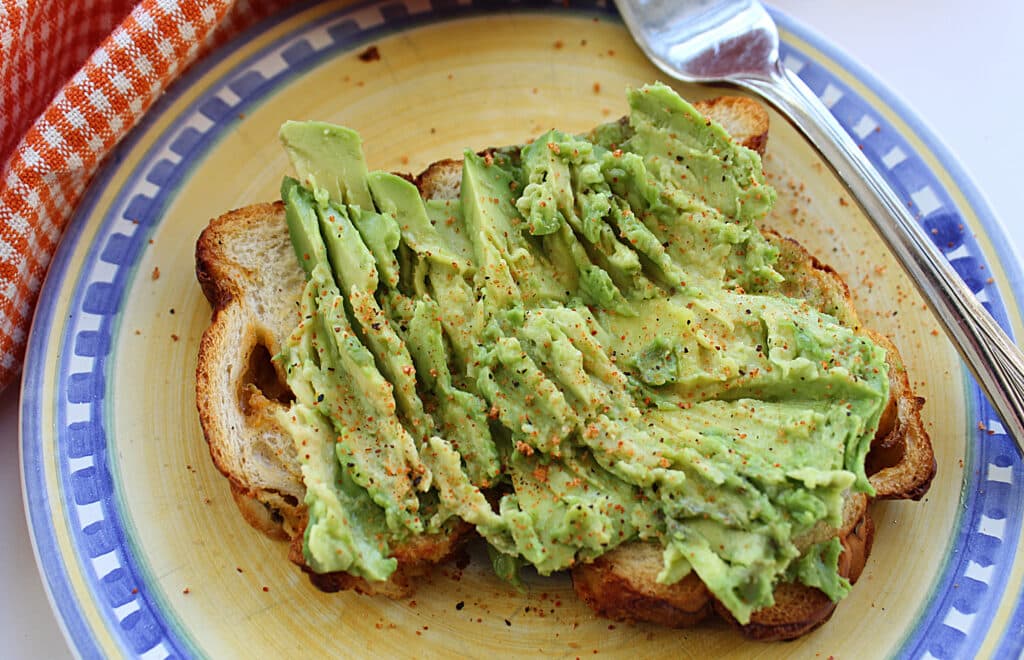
[[446, 217], [818, 567], [300, 213], [345, 531], [388, 475], [381, 234], [547, 200], [491, 220], [526, 401], [566, 186], [351, 261], [356, 273], [400, 200], [596, 327], [330, 157], [463, 415], [565, 204], [572, 510], [681, 146]]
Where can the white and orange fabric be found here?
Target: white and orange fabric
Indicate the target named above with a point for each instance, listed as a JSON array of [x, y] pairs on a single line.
[[75, 78]]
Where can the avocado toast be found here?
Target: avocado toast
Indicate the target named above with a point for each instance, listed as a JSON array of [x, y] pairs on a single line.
[[502, 373]]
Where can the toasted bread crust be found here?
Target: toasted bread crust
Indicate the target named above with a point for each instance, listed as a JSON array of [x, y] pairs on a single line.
[[744, 119], [238, 411], [901, 463], [799, 609], [415, 559], [622, 585], [235, 332], [259, 514]]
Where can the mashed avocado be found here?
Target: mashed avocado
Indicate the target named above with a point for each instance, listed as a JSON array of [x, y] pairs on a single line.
[[594, 331]]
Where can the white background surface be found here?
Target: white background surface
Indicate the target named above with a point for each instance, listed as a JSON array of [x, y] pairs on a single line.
[[957, 64]]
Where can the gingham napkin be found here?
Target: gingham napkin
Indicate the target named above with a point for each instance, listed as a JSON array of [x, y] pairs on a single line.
[[76, 76]]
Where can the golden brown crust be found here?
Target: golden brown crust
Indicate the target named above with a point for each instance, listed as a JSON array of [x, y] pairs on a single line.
[[258, 514], [214, 275], [901, 463], [416, 558], [621, 585], [440, 180], [224, 372], [744, 119], [799, 609], [857, 544]]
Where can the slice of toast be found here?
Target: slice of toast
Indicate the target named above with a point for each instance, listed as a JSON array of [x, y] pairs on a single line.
[[621, 584], [247, 269], [248, 272]]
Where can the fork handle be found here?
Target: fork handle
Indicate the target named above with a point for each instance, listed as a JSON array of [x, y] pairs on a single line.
[[995, 361]]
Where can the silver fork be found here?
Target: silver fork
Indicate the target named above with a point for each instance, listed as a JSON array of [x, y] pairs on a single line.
[[736, 42]]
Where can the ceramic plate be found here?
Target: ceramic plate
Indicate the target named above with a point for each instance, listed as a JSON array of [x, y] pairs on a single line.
[[140, 544]]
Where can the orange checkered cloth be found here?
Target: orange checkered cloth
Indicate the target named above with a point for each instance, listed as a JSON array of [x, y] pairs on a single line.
[[76, 77]]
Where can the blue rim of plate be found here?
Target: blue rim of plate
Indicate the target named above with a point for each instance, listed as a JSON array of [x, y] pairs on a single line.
[[966, 593]]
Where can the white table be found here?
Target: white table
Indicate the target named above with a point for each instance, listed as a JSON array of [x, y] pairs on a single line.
[[956, 63]]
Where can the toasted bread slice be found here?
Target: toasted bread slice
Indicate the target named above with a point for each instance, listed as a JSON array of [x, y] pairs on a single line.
[[745, 120], [621, 584], [415, 559], [247, 269], [245, 264], [901, 463]]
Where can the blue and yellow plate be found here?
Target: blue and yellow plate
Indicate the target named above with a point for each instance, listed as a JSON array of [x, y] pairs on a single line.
[[140, 545]]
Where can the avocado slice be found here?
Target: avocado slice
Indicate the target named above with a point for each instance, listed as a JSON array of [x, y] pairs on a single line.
[[330, 157], [349, 375]]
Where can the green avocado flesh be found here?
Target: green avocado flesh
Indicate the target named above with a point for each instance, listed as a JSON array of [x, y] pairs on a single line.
[[592, 335]]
